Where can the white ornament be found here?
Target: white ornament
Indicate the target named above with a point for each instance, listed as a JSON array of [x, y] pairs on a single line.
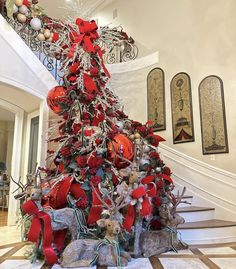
[[41, 37], [47, 33], [23, 9], [15, 9], [36, 24], [21, 18], [19, 3]]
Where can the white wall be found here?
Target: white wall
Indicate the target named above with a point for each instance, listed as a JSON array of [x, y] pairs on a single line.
[[196, 37]]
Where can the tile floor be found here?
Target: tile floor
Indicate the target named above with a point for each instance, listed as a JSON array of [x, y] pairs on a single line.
[[196, 257]]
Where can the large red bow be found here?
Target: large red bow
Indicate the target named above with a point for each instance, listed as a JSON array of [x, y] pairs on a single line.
[[148, 189]]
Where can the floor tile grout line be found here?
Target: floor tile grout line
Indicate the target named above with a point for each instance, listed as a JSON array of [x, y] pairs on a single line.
[[156, 263], [10, 253], [209, 263], [13, 245]]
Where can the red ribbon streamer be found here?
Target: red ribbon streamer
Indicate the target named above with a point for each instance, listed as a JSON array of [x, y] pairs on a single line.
[[39, 216]]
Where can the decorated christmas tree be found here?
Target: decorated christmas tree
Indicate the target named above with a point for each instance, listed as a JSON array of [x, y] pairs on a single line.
[[106, 166]]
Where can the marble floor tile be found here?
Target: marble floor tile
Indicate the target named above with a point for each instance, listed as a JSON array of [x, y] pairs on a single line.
[[182, 263], [221, 250], [143, 263], [4, 251], [180, 252], [23, 251], [9, 234], [20, 264], [225, 263]]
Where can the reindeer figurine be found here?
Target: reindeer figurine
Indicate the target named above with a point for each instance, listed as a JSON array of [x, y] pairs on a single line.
[[104, 252], [157, 242], [61, 219]]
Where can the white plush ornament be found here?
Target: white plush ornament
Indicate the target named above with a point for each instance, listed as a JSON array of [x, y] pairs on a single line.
[[15, 9], [47, 33], [21, 18], [36, 24], [19, 3], [41, 37], [23, 9]]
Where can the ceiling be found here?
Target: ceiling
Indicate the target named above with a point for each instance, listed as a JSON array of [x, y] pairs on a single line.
[[75, 8], [6, 115]]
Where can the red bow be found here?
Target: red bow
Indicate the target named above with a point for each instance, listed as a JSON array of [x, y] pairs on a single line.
[[141, 192], [39, 216]]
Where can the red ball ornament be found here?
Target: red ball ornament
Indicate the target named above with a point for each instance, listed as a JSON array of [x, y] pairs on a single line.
[[121, 146], [56, 96]]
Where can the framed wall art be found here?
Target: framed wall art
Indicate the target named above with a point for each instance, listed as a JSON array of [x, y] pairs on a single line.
[[181, 106], [156, 98], [212, 113]]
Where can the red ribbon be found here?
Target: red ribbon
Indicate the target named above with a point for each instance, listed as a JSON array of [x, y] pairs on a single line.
[[39, 216], [96, 209], [166, 177]]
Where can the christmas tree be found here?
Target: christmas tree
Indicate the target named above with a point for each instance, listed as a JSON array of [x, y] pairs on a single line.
[[105, 165]]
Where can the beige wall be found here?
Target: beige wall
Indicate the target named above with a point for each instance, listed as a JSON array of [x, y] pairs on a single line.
[[197, 37]]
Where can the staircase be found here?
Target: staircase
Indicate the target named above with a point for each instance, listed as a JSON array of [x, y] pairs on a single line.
[[201, 226]]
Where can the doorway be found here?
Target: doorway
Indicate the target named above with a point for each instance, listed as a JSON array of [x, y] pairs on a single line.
[[7, 121]]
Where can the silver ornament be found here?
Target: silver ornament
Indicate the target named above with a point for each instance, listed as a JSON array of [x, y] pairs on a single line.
[[158, 169], [36, 24], [23, 9]]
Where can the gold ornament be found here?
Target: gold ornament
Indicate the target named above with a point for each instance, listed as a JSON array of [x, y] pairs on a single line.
[[47, 33], [131, 137], [137, 135], [19, 3], [21, 18], [41, 37]]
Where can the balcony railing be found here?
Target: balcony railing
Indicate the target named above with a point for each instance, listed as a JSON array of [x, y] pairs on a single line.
[[114, 53]]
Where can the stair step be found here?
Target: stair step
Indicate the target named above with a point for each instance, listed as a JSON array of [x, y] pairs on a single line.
[[213, 223], [193, 209], [208, 232], [196, 213]]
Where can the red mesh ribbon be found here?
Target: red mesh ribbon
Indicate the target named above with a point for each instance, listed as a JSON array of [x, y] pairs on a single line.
[[96, 209], [41, 217]]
